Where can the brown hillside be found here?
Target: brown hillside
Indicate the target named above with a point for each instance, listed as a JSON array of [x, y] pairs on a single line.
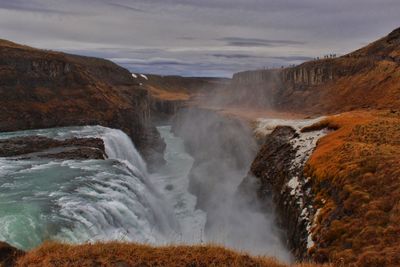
[[356, 176], [181, 88], [366, 78], [43, 89]]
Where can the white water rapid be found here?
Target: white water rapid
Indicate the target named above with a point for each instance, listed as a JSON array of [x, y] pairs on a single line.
[[91, 200], [79, 201]]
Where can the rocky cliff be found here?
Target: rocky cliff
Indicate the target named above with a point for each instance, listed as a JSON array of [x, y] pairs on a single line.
[[279, 169], [43, 147], [335, 185], [339, 204], [366, 78], [43, 89]]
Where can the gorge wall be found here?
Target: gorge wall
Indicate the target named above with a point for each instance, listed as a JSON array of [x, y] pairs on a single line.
[[330, 205], [279, 171], [44, 89], [366, 78]]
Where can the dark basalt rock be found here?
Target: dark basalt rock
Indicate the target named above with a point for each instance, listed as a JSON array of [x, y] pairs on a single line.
[[273, 168], [394, 36], [39, 146], [44, 89], [82, 153], [9, 255]]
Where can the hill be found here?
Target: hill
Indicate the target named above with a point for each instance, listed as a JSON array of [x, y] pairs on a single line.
[[44, 89], [341, 205], [366, 78]]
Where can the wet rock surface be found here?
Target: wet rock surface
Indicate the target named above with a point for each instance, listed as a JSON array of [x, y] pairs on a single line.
[[43, 147], [278, 175]]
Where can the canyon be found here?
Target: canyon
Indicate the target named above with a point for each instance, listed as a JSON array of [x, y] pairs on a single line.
[[326, 183], [329, 205]]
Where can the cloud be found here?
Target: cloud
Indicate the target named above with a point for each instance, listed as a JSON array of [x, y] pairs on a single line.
[[234, 56], [17, 5], [151, 61], [254, 42], [126, 7], [189, 37], [293, 58]]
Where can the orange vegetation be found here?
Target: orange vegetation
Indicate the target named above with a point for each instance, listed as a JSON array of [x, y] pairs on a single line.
[[124, 254], [162, 94], [250, 114], [356, 178], [174, 88]]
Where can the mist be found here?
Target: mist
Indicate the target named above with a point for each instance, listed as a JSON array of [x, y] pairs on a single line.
[[255, 89], [223, 150]]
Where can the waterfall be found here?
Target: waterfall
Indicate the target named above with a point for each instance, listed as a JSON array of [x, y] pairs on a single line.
[[83, 201], [119, 146], [135, 207]]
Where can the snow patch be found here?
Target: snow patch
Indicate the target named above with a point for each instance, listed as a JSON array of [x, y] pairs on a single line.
[[266, 126], [304, 145], [310, 242], [144, 77], [310, 226], [134, 75], [293, 184]]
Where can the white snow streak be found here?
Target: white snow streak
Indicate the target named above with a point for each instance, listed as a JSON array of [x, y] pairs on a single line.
[[304, 144]]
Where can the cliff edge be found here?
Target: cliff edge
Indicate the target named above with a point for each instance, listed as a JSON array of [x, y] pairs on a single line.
[[366, 78], [44, 89]]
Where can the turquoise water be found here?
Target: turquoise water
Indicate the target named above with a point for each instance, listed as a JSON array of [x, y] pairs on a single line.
[[78, 201], [83, 201]]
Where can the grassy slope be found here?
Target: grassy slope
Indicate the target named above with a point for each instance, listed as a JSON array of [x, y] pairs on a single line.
[[366, 78], [171, 88], [356, 176], [122, 254]]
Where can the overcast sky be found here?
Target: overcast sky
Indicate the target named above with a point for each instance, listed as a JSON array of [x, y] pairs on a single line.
[[198, 37]]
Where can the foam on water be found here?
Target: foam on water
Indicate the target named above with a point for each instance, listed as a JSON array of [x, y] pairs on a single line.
[[80, 201], [116, 199], [173, 179]]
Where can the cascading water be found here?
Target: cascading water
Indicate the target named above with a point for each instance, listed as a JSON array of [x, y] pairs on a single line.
[[79, 201]]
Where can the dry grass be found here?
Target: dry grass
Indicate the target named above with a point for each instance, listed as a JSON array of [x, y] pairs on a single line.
[[366, 78], [124, 254], [356, 175], [162, 94]]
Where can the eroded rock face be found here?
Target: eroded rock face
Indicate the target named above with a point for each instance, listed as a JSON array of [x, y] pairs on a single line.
[[163, 110], [365, 78], [38, 146], [279, 167], [44, 89]]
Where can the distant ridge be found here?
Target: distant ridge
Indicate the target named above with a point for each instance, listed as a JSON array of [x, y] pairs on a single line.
[[366, 78]]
